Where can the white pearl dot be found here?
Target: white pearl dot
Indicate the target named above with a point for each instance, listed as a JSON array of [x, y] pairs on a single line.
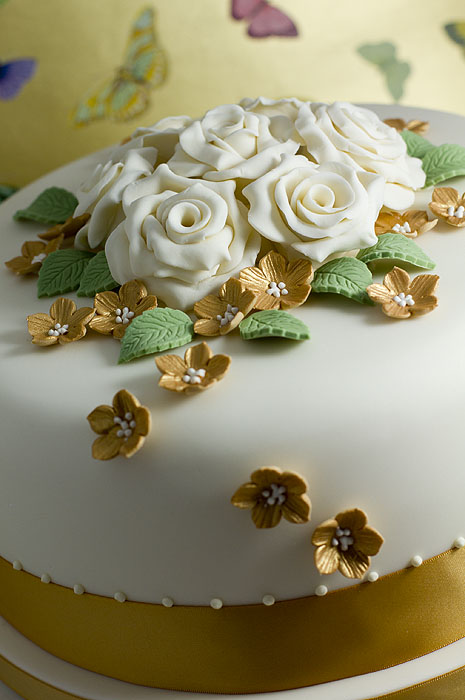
[[216, 603], [321, 590], [167, 602], [17, 566], [268, 600], [120, 596], [45, 578], [459, 542], [416, 561], [78, 589], [372, 576]]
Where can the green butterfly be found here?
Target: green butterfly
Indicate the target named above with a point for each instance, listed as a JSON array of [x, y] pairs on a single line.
[[383, 56], [456, 31], [127, 94]]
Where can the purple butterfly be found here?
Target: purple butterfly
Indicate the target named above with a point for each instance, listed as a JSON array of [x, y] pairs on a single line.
[[14, 74], [264, 19]]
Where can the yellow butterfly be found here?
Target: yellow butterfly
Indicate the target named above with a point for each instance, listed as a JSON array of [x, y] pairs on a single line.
[[128, 93]]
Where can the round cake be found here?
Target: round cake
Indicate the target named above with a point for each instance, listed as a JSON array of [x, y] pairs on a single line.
[[301, 524]]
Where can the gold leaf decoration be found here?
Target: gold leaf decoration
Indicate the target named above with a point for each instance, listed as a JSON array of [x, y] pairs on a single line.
[[272, 494], [122, 427], [220, 314], [411, 223], [114, 311], [401, 298], [33, 253], [278, 283], [69, 229], [346, 543], [64, 324], [448, 205], [199, 370], [415, 125]]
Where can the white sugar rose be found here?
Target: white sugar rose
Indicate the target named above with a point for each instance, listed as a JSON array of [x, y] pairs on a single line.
[[101, 195], [357, 136], [230, 142], [183, 238], [316, 210], [163, 135], [281, 113]]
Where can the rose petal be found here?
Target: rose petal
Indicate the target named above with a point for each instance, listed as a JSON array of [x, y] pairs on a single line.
[[101, 419]]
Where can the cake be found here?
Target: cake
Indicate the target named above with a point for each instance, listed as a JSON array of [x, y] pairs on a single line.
[[301, 523]]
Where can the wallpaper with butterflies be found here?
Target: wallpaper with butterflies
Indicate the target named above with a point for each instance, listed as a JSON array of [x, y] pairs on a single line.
[[77, 76]]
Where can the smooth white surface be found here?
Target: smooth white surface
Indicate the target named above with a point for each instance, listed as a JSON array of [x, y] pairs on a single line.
[[92, 686], [161, 524]]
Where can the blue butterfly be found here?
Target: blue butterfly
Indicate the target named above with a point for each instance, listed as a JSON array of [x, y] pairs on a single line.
[[14, 75]]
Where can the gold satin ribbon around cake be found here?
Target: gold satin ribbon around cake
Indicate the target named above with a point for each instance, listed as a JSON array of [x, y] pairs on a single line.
[[247, 648]]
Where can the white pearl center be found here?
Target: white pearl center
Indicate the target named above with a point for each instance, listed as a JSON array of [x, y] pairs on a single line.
[[123, 315], [274, 495], [228, 316], [127, 425], [38, 258], [342, 539], [59, 329], [194, 376], [404, 300], [459, 212], [277, 289], [402, 228]]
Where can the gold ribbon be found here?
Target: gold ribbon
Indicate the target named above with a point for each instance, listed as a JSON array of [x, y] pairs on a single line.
[[246, 648]]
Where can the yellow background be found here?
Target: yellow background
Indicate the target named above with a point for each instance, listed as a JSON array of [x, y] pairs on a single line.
[[79, 43]]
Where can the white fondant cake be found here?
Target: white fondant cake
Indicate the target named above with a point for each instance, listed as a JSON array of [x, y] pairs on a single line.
[[369, 412]]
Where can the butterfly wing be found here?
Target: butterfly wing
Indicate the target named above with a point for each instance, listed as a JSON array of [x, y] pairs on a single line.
[[93, 105], [127, 100], [270, 21], [456, 31], [14, 75], [144, 58], [379, 54], [241, 9], [396, 73]]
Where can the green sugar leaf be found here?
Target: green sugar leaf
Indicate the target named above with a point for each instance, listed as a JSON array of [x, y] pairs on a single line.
[[53, 206], [347, 276], [395, 246], [6, 191], [443, 162], [61, 272], [273, 323], [417, 146], [155, 330], [97, 277]]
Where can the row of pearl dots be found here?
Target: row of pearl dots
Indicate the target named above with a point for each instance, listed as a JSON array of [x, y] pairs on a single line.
[[217, 603]]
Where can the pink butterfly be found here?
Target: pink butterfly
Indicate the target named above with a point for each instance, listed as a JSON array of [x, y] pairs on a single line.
[[265, 20]]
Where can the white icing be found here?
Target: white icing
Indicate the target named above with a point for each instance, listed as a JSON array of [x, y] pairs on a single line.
[[342, 539], [459, 212], [163, 136], [356, 136], [120, 596], [459, 542], [167, 602], [59, 329], [277, 290], [123, 315], [78, 588], [404, 300], [402, 228], [194, 376], [38, 258], [102, 194], [45, 578], [321, 590], [316, 210], [416, 561], [183, 238], [230, 142], [228, 316], [17, 566], [127, 426], [268, 599], [216, 603], [274, 495], [372, 576]]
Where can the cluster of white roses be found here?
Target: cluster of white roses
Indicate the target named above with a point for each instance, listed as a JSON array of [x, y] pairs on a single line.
[[183, 205]]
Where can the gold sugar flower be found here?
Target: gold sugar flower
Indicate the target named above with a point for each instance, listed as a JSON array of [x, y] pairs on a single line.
[[278, 283], [64, 324], [220, 314], [115, 311], [448, 205], [33, 254], [411, 223], [199, 370], [272, 494], [69, 229], [346, 543], [415, 125], [401, 298], [122, 427]]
